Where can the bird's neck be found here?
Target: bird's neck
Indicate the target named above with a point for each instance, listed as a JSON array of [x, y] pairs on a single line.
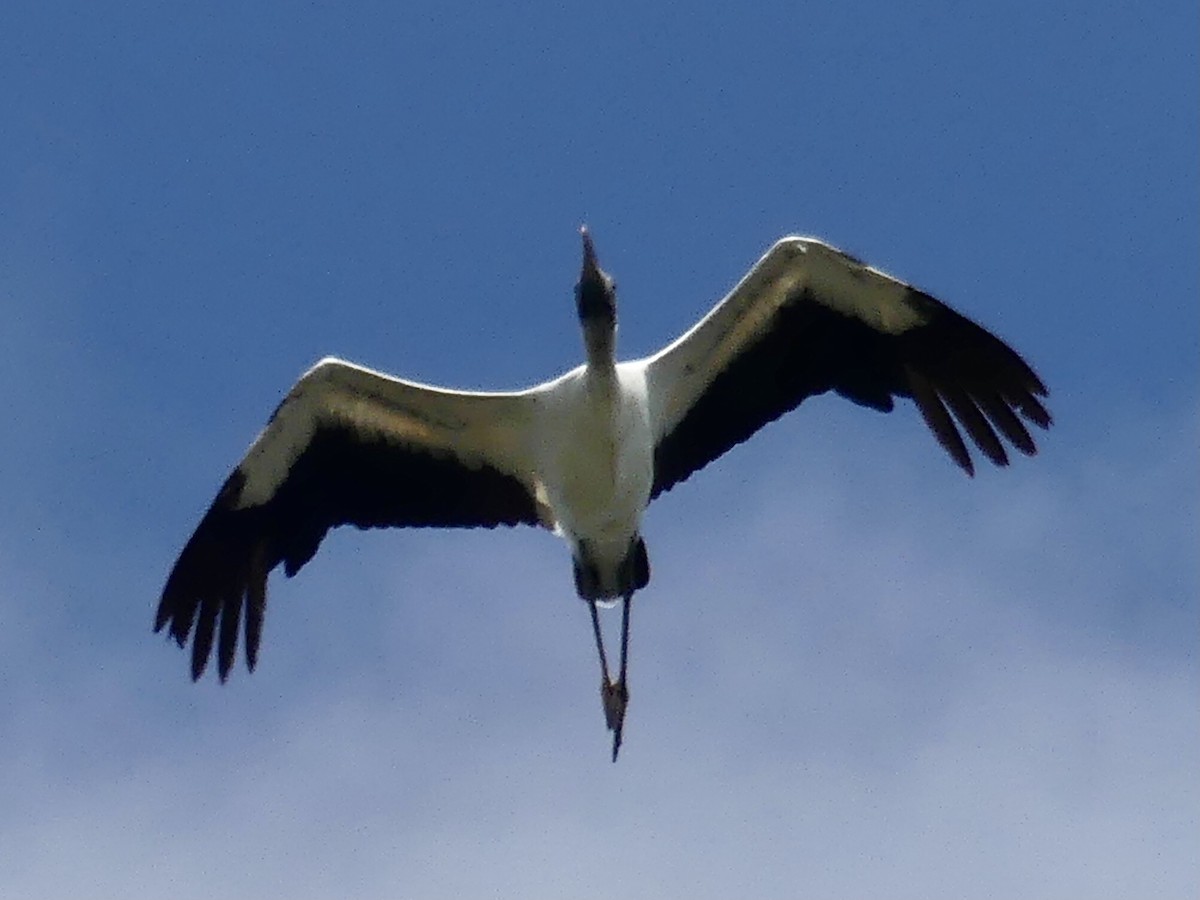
[[600, 342]]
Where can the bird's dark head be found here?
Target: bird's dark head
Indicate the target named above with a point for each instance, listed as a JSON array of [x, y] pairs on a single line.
[[596, 293]]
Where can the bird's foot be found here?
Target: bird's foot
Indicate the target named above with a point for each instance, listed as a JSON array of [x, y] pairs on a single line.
[[615, 696]]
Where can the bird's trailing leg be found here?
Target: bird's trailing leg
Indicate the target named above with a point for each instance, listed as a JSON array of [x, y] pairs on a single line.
[[614, 695], [599, 641], [620, 690]]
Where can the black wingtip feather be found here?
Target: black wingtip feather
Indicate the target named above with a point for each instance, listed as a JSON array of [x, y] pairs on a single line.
[[256, 605], [231, 610], [938, 419], [1031, 408], [203, 638]]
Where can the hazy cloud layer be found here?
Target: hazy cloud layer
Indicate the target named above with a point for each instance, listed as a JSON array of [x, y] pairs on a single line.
[[826, 700]]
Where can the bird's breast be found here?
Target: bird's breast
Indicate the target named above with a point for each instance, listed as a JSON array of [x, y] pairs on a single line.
[[599, 467]]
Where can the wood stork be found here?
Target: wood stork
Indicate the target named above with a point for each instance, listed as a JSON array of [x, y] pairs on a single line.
[[585, 453]]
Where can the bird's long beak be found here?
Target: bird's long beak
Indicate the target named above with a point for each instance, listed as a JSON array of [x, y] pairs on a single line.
[[591, 268]]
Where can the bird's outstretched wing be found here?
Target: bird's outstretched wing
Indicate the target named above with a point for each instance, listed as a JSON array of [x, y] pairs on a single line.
[[808, 319], [346, 446]]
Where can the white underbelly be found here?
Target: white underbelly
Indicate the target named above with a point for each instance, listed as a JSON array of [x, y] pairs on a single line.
[[600, 469], [597, 505]]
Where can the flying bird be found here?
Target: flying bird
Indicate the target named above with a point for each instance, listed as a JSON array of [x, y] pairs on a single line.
[[585, 453]]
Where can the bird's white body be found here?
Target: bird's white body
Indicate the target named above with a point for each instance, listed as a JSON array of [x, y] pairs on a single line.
[[594, 452]]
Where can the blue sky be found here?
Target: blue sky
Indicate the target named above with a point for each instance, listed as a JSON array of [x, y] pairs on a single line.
[[855, 673]]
